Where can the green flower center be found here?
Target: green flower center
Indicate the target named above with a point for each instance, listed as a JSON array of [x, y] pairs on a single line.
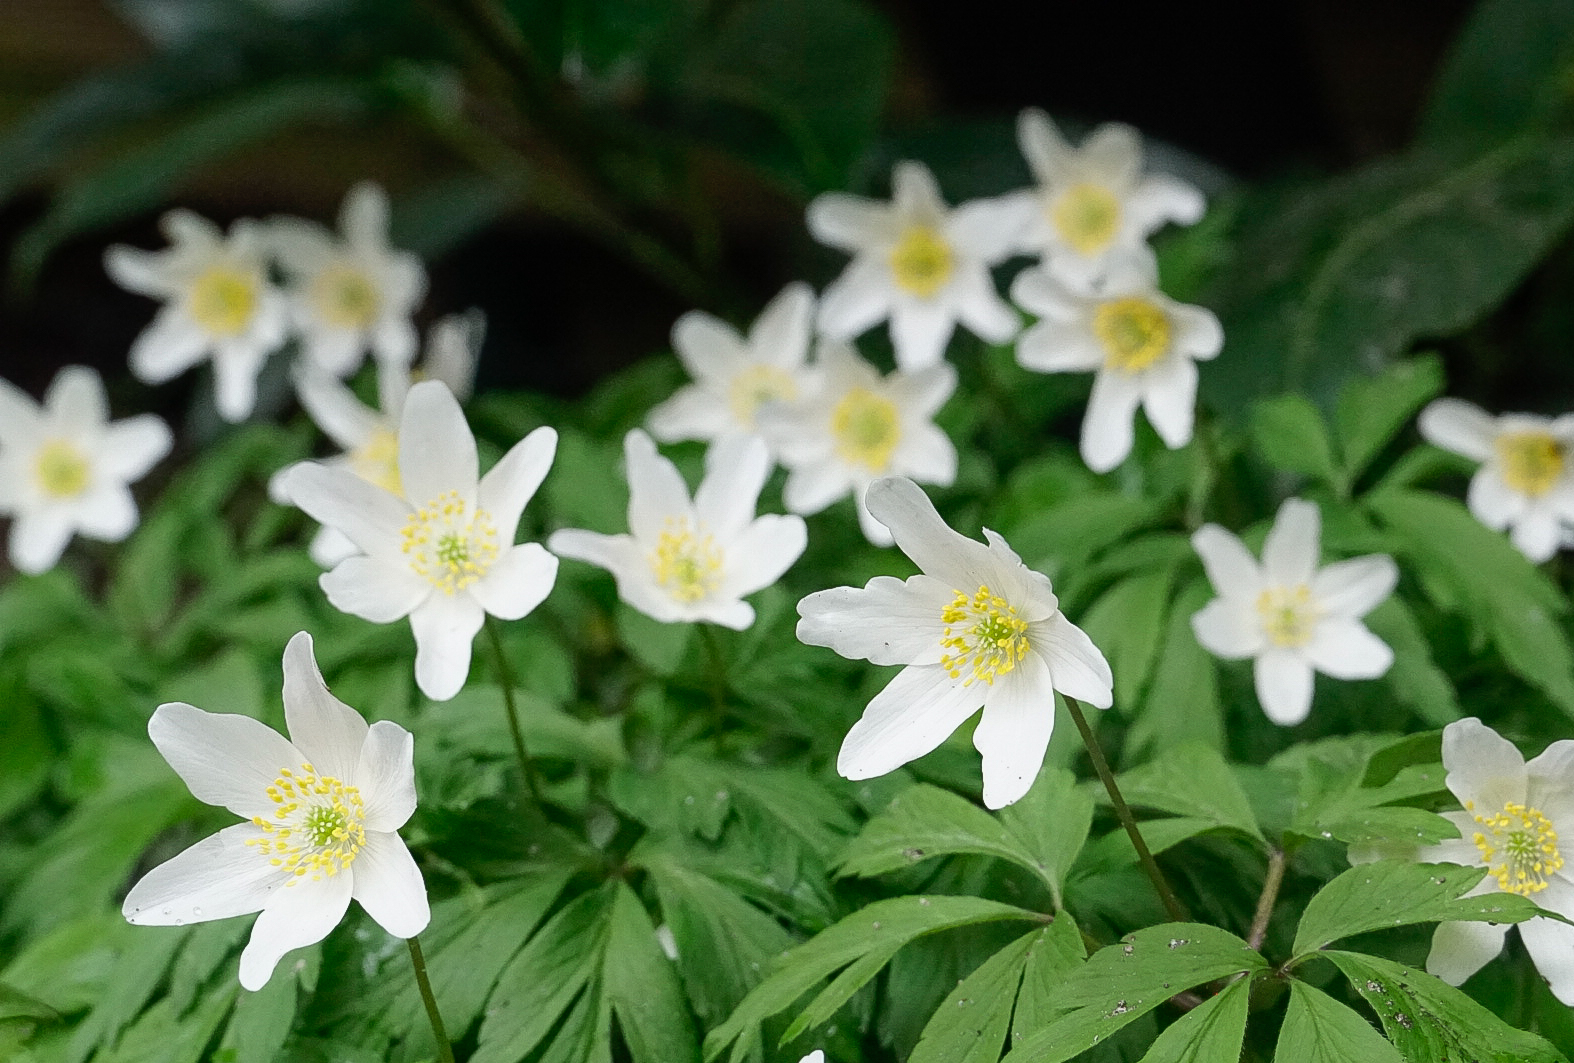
[[1288, 614], [346, 297], [983, 638], [922, 261], [61, 470], [686, 562], [754, 387], [1519, 847], [317, 827], [223, 299], [449, 543], [867, 428]]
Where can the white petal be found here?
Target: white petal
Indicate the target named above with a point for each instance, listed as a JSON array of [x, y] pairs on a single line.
[[1114, 152], [1290, 553], [138, 271], [369, 516], [693, 412], [1198, 333], [106, 512], [394, 342], [1551, 943], [850, 223], [593, 547], [1230, 566], [39, 538], [1459, 426], [364, 216], [235, 381], [324, 728], [735, 471], [888, 621], [1284, 686], [915, 712], [979, 307], [19, 416], [1345, 649], [1355, 587], [1053, 346], [167, 347], [989, 229], [219, 877], [1492, 501], [873, 530], [735, 615], [517, 582], [1106, 427], [920, 330], [923, 393], [297, 915], [1076, 666], [812, 487], [952, 558], [374, 590], [781, 333], [512, 482], [436, 450], [75, 401], [925, 455], [1159, 198], [1012, 735], [444, 627], [1228, 628], [857, 300], [1043, 146], [223, 759], [133, 446], [328, 548], [385, 774], [1537, 534], [657, 492], [331, 351], [1483, 766], [1460, 949], [757, 558], [1169, 395], [1038, 292], [709, 348], [389, 885], [914, 192], [334, 408]]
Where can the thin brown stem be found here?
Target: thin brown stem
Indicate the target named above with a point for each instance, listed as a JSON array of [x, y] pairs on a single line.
[[1265, 902], [445, 1050], [505, 679], [1123, 813]]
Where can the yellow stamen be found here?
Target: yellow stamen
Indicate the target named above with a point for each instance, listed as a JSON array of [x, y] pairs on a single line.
[[686, 562], [1134, 332], [754, 387], [983, 636], [1087, 216], [377, 460], [922, 261], [867, 428], [449, 544], [1533, 461], [1289, 616], [317, 827], [62, 471], [223, 299], [346, 297], [1519, 847]]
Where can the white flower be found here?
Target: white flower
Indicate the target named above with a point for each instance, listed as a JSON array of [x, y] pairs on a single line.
[[1292, 616], [1513, 816], [1093, 206], [351, 294], [735, 377], [693, 560], [368, 438], [854, 426], [446, 557], [977, 627], [218, 303], [323, 809], [1526, 479], [915, 261], [1143, 345], [65, 467]]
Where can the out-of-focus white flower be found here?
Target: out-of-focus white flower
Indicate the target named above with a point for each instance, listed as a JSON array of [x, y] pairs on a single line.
[[368, 438], [1093, 205], [922, 265], [1289, 614], [65, 467], [323, 810], [734, 378], [1143, 345], [352, 293], [854, 426], [218, 303], [977, 627], [1526, 479], [692, 560], [443, 552]]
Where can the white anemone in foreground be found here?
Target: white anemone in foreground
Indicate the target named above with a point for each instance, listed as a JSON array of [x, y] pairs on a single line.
[[65, 467], [443, 552], [1094, 207], [1290, 615], [322, 809], [1513, 815], [917, 262], [351, 293], [736, 377], [854, 426], [693, 560], [218, 303], [1526, 480], [1143, 345], [976, 628]]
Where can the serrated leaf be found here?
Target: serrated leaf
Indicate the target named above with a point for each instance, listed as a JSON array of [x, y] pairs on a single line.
[[642, 989], [1394, 893], [1371, 411], [1114, 850], [1050, 958], [1211, 1032], [261, 1021], [1289, 433], [1192, 780], [971, 1024], [1319, 1029], [923, 822], [1051, 822], [137, 974]]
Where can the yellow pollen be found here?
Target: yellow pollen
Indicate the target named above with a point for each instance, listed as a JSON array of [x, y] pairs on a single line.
[[922, 261], [377, 460], [866, 428], [1288, 614], [62, 471], [223, 299], [346, 297], [1086, 216], [1519, 847], [983, 637], [317, 827], [450, 544], [1134, 332], [754, 387], [686, 562], [1532, 461]]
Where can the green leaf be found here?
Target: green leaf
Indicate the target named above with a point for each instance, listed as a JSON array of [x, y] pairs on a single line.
[[163, 1035], [1051, 822], [1211, 1032], [25, 753], [1508, 69], [15, 1004], [1114, 850], [658, 646], [1394, 893], [862, 943], [1127, 623], [1319, 1029], [971, 1024], [1050, 958], [1430, 1021], [1182, 703], [923, 822], [642, 989], [1414, 677], [69, 967], [138, 972], [1290, 434], [261, 1021], [1192, 780], [1371, 411]]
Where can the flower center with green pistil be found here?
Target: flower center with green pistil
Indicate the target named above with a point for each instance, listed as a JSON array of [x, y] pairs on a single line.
[[1086, 216], [346, 297], [1532, 461], [753, 387], [1519, 847], [1288, 614], [223, 299], [376, 460], [1134, 332], [686, 562], [61, 470], [922, 261], [983, 638], [866, 428], [317, 827], [449, 543]]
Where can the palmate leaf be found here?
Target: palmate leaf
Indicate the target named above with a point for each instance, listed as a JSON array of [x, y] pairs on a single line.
[[1211, 1032], [1289, 433], [1192, 780], [1371, 411], [1319, 1029]]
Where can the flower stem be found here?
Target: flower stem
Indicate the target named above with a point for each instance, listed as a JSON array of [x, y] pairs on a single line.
[[1123, 813], [445, 1051], [505, 678], [1270, 893], [718, 683]]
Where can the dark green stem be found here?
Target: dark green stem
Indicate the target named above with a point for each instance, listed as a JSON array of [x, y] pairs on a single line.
[[505, 679], [718, 683], [1123, 813], [445, 1051], [1265, 902]]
